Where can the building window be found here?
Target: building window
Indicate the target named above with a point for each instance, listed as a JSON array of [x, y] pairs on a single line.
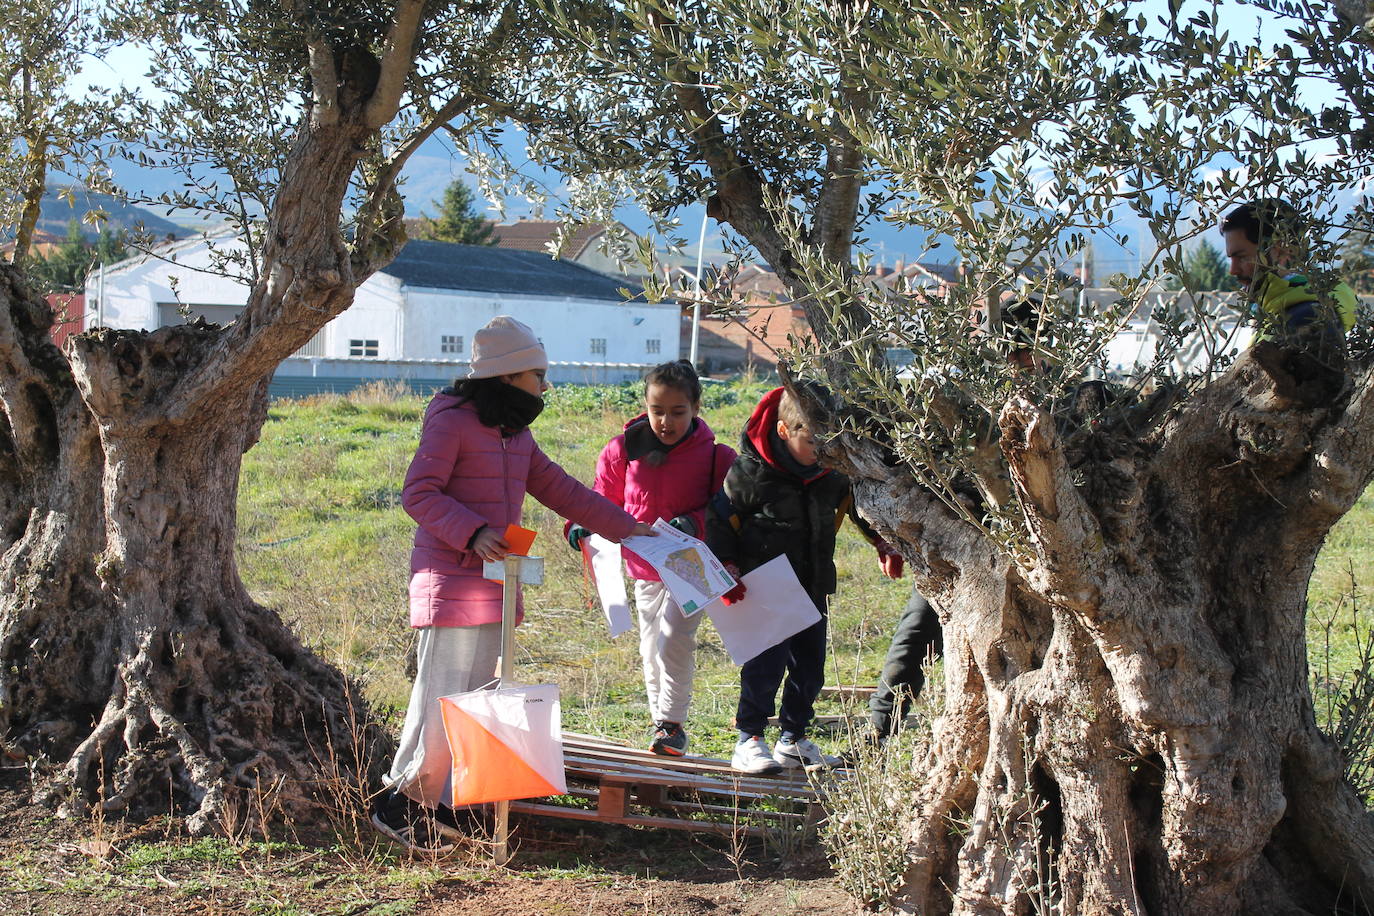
[[652, 345], [598, 346], [362, 348], [450, 343]]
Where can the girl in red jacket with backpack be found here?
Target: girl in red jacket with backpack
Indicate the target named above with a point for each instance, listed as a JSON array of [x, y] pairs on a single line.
[[667, 464]]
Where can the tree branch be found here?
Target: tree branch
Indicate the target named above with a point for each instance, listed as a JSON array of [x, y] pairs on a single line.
[[1343, 454], [397, 57], [837, 206], [1328, 817], [739, 197], [928, 532], [451, 109], [324, 80], [385, 183], [1062, 528]]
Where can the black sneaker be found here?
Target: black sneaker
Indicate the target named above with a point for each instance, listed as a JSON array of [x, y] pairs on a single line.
[[402, 821], [867, 744], [670, 740]]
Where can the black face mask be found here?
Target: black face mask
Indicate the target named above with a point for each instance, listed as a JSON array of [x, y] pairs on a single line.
[[515, 410], [498, 404]]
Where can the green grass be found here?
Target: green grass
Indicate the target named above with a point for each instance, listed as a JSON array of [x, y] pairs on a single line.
[[224, 875], [324, 540]]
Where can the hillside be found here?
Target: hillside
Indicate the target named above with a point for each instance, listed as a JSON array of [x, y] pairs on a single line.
[[57, 214]]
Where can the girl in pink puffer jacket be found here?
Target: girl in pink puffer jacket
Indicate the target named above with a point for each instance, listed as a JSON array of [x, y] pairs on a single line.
[[476, 461], [667, 464]]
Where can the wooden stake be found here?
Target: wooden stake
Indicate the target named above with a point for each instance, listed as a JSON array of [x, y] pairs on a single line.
[[509, 590]]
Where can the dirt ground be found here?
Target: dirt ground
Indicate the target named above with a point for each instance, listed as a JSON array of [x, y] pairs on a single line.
[[55, 867]]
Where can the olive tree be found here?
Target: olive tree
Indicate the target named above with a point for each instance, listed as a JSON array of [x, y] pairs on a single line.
[[42, 47], [135, 669], [1128, 726]]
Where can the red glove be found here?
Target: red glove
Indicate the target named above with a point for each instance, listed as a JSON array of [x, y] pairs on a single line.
[[736, 593], [890, 560]]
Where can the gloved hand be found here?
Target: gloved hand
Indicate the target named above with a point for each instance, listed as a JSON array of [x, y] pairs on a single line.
[[576, 534], [736, 593], [892, 563], [684, 523]]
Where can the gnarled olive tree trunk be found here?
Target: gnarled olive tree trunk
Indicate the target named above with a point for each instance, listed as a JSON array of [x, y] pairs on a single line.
[[1128, 726], [131, 656]]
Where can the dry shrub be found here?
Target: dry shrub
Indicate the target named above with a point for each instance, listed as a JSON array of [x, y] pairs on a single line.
[[380, 392], [1346, 698], [869, 807], [871, 804]]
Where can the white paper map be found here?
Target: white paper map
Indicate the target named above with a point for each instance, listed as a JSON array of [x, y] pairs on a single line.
[[774, 607], [692, 574], [603, 557]]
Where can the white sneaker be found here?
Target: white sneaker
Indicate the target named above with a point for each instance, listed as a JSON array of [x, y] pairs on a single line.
[[804, 753], [752, 756]]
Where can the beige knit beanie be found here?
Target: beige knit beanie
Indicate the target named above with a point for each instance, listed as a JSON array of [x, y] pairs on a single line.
[[506, 347]]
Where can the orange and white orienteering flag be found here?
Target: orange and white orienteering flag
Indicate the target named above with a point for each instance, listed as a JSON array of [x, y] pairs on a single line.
[[506, 743]]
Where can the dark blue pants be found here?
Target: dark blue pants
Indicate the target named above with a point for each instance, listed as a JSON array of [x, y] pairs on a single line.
[[798, 665], [916, 638]]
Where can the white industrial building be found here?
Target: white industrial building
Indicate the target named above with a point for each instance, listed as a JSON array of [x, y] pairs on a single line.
[[413, 320]]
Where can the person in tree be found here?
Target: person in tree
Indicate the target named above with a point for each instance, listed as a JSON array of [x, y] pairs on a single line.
[[779, 501], [666, 464], [1266, 243], [476, 461]]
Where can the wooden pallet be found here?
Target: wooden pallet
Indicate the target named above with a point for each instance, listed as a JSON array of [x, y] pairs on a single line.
[[630, 785], [854, 692]]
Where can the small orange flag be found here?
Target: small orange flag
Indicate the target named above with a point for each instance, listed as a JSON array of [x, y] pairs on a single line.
[[519, 539]]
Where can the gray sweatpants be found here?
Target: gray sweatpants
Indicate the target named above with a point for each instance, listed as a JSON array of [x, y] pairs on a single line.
[[449, 660], [668, 650]]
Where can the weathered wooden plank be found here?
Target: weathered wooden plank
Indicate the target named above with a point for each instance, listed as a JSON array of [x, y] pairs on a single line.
[[667, 823], [690, 793], [792, 782], [745, 788], [850, 691]]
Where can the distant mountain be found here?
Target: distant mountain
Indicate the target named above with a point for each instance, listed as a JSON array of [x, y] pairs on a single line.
[[435, 165], [57, 213]]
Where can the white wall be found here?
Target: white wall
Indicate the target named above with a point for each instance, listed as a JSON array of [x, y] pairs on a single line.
[[133, 292], [1135, 345], [567, 326], [374, 315]]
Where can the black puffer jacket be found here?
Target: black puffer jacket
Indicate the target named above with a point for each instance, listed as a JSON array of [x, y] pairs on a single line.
[[767, 509]]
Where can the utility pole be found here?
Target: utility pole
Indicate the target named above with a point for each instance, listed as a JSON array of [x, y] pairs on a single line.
[[696, 304]]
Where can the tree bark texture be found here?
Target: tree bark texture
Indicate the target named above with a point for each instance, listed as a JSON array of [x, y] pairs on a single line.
[[131, 656], [1128, 726]]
